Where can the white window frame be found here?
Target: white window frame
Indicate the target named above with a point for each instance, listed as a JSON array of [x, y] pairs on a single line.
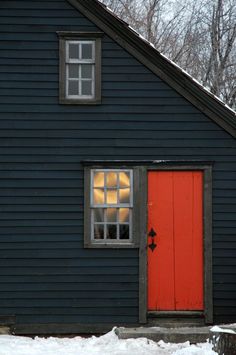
[[80, 62], [91, 241], [117, 206]]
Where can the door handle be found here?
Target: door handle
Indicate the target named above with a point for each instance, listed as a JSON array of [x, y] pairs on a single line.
[[152, 234]]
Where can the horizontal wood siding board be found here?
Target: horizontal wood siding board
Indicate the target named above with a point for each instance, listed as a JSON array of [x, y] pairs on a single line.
[[46, 276], [67, 279], [73, 303], [107, 142], [31, 288], [46, 28], [77, 318], [72, 312], [111, 125], [69, 136], [36, 4], [79, 270]]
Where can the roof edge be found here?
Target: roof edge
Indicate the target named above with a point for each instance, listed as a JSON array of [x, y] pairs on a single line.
[[160, 65]]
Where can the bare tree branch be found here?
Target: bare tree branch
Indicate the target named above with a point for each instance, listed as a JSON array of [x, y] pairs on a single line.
[[199, 35]]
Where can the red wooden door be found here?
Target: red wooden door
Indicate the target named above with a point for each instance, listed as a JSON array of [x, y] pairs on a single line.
[[175, 266]]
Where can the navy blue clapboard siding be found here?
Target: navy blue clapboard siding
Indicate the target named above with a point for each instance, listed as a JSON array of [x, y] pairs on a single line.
[[46, 276]]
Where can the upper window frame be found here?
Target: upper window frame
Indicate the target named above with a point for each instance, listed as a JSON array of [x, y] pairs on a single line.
[[69, 37]]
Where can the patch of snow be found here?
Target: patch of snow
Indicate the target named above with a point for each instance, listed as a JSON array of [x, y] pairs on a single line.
[[198, 349], [222, 330], [108, 344], [232, 325], [155, 162], [198, 83]]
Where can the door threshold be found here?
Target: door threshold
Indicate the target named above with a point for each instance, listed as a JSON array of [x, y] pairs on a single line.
[[175, 314], [176, 319]]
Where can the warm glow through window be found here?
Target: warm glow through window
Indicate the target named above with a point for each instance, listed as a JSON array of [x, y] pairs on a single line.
[[111, 202]]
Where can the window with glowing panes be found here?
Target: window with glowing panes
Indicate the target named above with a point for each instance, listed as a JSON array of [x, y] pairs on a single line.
[[111, 204]]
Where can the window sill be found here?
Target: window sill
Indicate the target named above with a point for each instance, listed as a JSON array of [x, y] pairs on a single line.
[[80, 102], [130, 245]]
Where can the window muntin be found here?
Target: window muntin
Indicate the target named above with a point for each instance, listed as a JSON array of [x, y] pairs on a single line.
[[111, 205], [80, 69]]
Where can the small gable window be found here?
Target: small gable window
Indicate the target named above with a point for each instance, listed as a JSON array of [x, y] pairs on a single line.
[[80, 68]]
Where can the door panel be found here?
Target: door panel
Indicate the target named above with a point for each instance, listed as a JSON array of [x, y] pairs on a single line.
[[175, 266]]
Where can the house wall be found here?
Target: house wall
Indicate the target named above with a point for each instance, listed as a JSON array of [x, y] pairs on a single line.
[[46, 276]]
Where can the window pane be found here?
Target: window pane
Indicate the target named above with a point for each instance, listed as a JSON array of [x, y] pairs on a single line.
[[86, 88], [98, 196], [111, 180], [87, 51], [111, 215], [112, 197], [124, 179], [98, 231], [124, 231], [98, 215], [111, 231], [86, 71], [73, 87], [124, 195], [74, 51], [98, 180], [73, 71], [124, 215]]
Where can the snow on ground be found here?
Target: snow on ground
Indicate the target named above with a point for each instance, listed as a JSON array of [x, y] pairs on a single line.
[[108, 344]]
